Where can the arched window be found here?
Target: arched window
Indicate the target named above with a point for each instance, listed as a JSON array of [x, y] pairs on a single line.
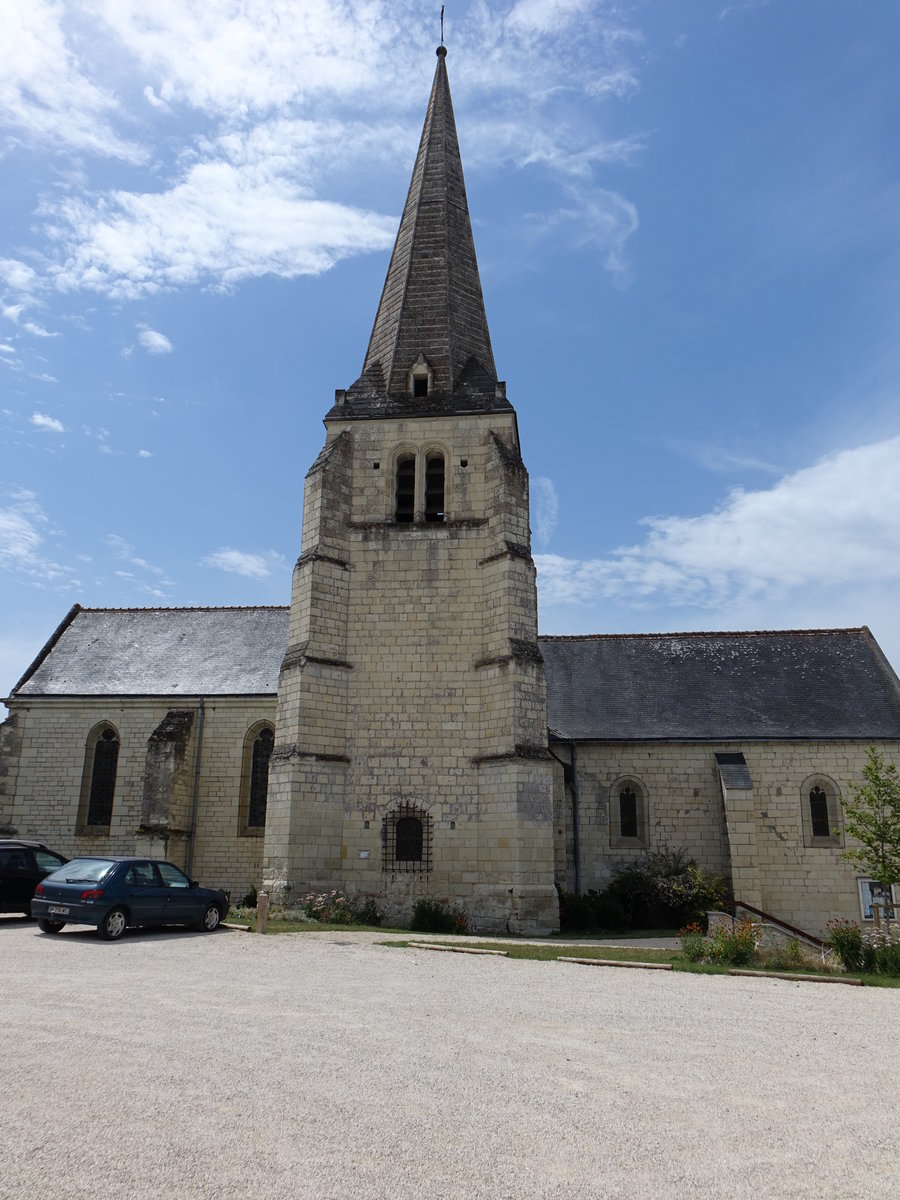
[[434, 487], [406, 839], [628, 817], [259, 742], [628, 812], [820, 811], [98, 781], [259, 778], [405, 509]]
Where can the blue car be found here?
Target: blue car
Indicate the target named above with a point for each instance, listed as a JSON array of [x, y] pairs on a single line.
[[114, 893]]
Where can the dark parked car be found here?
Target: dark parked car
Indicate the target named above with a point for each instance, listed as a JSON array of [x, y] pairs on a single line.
[[113, 893], [23, 864]]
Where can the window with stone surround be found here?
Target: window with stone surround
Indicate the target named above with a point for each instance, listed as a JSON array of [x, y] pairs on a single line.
[[628, 813], [405, 496], [98, 779], [434, 487], [406, 839], [820, 810], [258, 744]]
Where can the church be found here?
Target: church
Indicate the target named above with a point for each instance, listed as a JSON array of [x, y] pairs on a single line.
[[402, 729]]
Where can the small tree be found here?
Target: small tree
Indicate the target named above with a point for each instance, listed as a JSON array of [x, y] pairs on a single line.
[[872, 816]]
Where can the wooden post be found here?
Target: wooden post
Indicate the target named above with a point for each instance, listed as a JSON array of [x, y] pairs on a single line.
[[262, 911]]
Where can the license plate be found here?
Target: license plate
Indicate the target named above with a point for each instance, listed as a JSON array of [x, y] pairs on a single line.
[[58, 910]]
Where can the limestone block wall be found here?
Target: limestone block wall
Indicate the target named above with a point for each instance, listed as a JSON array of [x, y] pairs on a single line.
[[51, 734], [769, 855], [436, 675]]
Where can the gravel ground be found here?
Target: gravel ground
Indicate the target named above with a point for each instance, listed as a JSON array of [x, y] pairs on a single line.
[[229, 1065]]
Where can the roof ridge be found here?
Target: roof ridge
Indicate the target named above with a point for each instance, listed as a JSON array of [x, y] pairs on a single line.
[[190, 608], [708, 633]]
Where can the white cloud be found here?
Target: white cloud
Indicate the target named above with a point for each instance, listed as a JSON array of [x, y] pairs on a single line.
[[545, 504], [126, 552], [144, 454], [49, 423], [38, 330], [155, 343], [237, 562], [18, 275], [833, 527], [23, 526], [220, 224], [45, 92]]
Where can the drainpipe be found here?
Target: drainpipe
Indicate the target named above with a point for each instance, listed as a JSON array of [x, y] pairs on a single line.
[[196, 797], [576, 841], [576, 838]]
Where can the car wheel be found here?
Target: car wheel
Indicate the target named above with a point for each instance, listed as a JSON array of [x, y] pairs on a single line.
[[211, 919], [50, 926], [113, 924]]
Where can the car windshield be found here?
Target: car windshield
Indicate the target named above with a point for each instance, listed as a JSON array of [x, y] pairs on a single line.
[[82, 870]]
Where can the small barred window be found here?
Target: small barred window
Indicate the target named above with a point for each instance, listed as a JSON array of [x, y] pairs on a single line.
[[406, 838]]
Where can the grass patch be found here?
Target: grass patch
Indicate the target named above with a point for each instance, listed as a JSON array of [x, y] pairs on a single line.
[[534, 953]]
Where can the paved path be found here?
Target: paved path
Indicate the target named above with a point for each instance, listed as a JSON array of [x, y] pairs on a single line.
[[237, 1067]]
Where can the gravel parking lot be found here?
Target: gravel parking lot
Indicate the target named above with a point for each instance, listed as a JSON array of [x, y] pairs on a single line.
[[185, 1065]]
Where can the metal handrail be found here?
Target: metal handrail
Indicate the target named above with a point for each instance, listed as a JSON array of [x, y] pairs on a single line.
[[770, 920]]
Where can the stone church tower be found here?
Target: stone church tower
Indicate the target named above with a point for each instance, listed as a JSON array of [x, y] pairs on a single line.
[[411, 734]]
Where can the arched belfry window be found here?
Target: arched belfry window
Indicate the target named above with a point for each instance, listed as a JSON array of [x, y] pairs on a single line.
[[259, 742], [98, 782], [405, 508], [434, 487]]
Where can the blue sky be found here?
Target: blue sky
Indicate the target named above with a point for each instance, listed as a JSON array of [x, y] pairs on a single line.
[[686, 217]]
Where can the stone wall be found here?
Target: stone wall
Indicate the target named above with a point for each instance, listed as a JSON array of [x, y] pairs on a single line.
[[413, 678], [151, 813], [757, 838]]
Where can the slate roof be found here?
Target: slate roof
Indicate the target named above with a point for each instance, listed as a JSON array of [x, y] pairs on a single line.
[[432, 304], [812, 684], [161, 652]]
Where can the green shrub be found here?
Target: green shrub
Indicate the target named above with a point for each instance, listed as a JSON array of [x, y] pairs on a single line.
[[846, 940], [693, 942], [332, 908], [731, 945], [431, 915], [789, 956], [666, 889], [368, 913], [251, 899], [883, 945]]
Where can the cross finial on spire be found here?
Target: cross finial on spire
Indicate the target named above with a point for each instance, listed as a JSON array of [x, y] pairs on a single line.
[[442, 24]]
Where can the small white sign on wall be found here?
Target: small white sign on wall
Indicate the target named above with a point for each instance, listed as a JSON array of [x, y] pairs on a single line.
[[364, 854]]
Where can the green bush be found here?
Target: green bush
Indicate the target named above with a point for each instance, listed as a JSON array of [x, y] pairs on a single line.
[[431, 915], [846, 940], [732, 945], [251, 899], [790, 956], [693, 942], [368, 913], [595, 912], [665, 889]]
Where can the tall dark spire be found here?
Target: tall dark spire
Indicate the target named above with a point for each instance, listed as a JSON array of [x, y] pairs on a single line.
[[431, 319]]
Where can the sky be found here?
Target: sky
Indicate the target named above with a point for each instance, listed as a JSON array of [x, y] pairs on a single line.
[[686, 216]]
